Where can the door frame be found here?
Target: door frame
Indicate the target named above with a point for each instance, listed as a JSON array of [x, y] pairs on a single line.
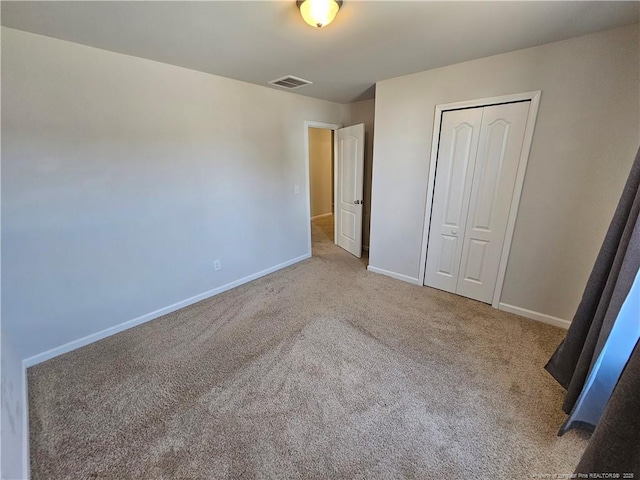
[[534, 98], [307, 171]]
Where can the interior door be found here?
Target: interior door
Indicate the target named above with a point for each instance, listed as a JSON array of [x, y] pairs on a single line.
[[494, 177], [477, 163], [459, 135], [350, 173]]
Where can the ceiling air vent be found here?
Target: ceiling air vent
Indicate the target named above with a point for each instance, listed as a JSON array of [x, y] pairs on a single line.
[[290, 82]]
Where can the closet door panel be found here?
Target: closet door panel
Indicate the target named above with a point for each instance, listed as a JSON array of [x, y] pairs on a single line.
[[457, 149], [496, 166]]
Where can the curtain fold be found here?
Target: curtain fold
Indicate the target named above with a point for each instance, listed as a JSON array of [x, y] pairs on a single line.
[[607, 288], [614, 446]]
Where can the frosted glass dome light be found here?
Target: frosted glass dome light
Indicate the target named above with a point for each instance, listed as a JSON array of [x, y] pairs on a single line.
[[318, 13]]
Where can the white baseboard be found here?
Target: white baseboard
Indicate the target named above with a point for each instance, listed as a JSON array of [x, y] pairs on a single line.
[[397, 276], [541, 317], [94, 337], [26, 464], [321, 216]]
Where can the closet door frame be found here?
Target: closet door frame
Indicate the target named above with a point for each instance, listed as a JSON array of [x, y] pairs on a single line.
[[534, 99]]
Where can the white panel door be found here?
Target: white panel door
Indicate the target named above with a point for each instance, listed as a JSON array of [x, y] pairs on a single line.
[[494, 176], [350, 172], [459, 136]]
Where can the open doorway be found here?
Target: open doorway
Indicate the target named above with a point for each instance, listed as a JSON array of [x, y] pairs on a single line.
[[321, 186], [321, 219], [335, 180]]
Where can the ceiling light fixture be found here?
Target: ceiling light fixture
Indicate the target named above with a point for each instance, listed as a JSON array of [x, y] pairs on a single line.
[[319, 13]]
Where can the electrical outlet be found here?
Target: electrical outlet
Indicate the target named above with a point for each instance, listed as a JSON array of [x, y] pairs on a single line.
[[297, 189], [216, 265]]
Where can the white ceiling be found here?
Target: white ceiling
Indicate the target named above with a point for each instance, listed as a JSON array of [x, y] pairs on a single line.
[[369, 41]]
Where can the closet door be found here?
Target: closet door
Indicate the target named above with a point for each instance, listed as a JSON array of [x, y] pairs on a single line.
[[494, 176], [459, 136]]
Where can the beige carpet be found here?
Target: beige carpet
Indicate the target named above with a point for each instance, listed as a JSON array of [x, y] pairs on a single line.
[[322, 370]]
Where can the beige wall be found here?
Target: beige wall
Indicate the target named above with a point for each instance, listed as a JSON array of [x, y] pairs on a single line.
[[585, 139], [363, 112], [320, 170], [123, 179], [12, 435]]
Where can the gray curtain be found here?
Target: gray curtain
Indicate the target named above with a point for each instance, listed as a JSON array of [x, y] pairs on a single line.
[[615, 444], [607, 288]]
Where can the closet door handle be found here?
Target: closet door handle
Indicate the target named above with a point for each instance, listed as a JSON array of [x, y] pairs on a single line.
[[454, 232]]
